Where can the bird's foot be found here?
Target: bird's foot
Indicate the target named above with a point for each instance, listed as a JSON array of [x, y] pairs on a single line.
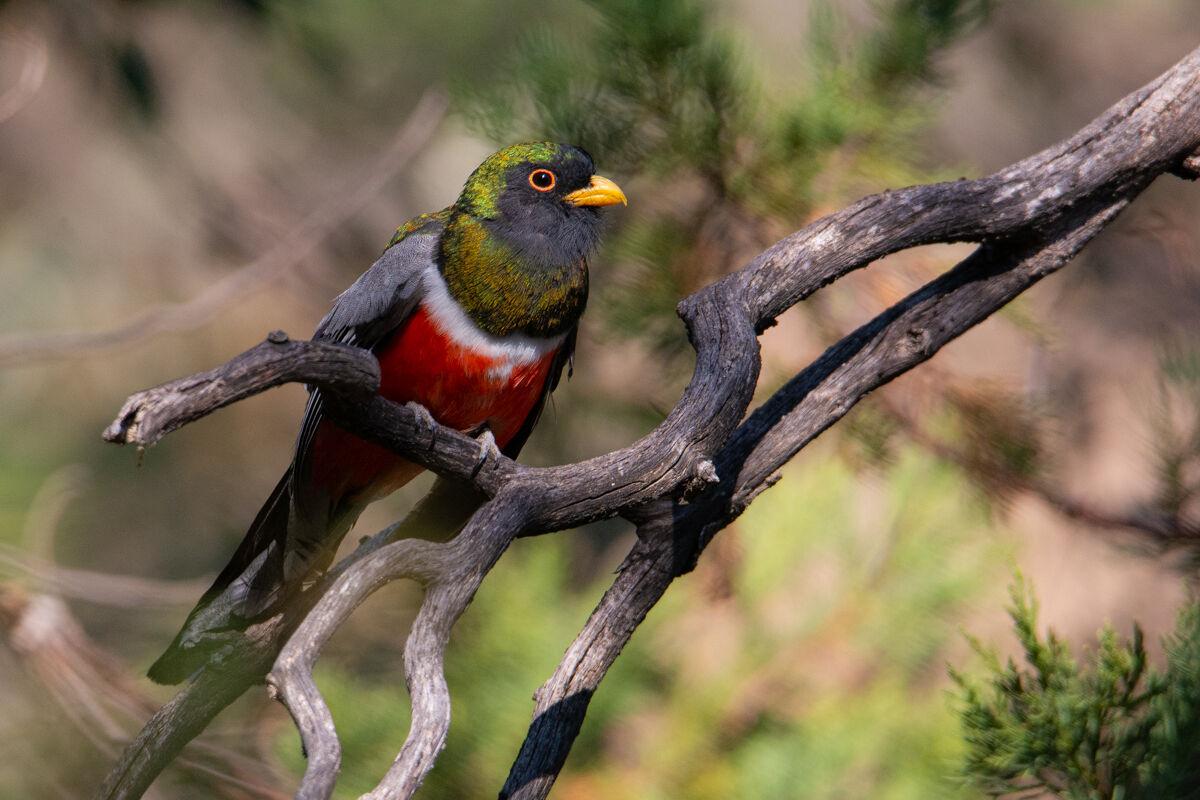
[[426, 424], [487, 447]]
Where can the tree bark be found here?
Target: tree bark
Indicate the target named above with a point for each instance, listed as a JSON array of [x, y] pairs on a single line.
[[688, 478]]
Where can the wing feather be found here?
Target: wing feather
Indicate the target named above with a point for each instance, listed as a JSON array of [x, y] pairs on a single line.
[[363, 316], [374, 306]]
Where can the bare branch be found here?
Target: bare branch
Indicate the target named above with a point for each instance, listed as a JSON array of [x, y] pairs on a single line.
[[1033, 217], [244, 663], [348, 376], [149, 415], [561, 703], [102, 588], [33, 73], [291, 682], [672, 536], [36, 559], [94, 691]]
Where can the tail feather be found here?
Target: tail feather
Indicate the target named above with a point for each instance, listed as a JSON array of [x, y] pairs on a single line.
[[221, 607], [441, 513], [260, 575]]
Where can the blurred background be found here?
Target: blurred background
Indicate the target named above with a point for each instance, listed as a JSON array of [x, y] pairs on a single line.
[[178, 178]]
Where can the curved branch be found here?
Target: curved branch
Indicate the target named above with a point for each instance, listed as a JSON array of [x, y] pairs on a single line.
[[672, 537], [1033, 216], [151, 414], [290, 680], [349, 378], [242, 664], [905, 335]]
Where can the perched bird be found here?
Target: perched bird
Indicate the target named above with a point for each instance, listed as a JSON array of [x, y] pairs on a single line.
[[472, 313]]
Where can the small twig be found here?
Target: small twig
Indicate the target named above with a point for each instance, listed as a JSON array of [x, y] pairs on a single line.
[[33, 73], [102, 588]]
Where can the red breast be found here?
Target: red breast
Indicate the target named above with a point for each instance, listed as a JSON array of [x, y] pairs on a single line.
[[461, 387]]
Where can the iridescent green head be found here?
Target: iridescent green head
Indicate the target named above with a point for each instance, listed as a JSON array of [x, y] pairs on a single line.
[[536, 173], [516, 243]]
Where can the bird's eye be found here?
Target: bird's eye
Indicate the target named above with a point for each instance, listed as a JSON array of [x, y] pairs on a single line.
[[542, 179]]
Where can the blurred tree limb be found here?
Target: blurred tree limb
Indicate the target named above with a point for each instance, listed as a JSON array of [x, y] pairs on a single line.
[[683, 482], [35, 563], [295, 245], [1158, 527], [91, 688], [96, 694], [33, 73]]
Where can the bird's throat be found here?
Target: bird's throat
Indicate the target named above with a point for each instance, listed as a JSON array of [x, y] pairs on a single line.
[[505, 291]]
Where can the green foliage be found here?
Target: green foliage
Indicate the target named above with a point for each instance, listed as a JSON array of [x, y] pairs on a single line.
[[912, 33], [1174, 767], [652, 86], [1175, 422], [662, 91], [1110, 728]]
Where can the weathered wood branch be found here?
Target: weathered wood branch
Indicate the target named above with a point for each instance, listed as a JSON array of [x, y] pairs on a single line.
[[348, 376], [1032, 217], [151, 414], [672, 536]]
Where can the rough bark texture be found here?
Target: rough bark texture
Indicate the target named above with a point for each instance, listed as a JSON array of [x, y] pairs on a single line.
[[688, 478]]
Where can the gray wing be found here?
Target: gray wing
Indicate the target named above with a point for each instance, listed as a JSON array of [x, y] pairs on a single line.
[[384, 295], [364, 315], [374, 306]]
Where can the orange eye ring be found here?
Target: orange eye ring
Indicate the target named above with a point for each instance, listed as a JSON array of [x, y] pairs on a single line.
[[543, 180]]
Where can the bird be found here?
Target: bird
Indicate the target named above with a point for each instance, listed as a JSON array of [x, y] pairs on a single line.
[[472, 313]]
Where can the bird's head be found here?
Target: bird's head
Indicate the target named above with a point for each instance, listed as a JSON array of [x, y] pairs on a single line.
[[541, 199]]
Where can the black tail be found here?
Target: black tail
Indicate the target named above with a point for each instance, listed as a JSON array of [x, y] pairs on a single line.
[[441, 513], [220, 609], [253, 583]]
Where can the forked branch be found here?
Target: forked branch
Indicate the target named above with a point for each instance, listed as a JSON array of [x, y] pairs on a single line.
[[1031, 219]]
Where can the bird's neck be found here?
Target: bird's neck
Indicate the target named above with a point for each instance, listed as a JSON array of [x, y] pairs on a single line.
[[506, 291]]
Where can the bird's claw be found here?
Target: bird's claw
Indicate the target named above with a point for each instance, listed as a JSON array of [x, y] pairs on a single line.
[[426, 424], [487, 447]]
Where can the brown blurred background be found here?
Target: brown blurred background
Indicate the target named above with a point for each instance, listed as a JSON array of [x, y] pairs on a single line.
[[176, 179]]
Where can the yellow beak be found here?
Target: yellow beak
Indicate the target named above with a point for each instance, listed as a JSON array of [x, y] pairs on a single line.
[[600, 192]]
